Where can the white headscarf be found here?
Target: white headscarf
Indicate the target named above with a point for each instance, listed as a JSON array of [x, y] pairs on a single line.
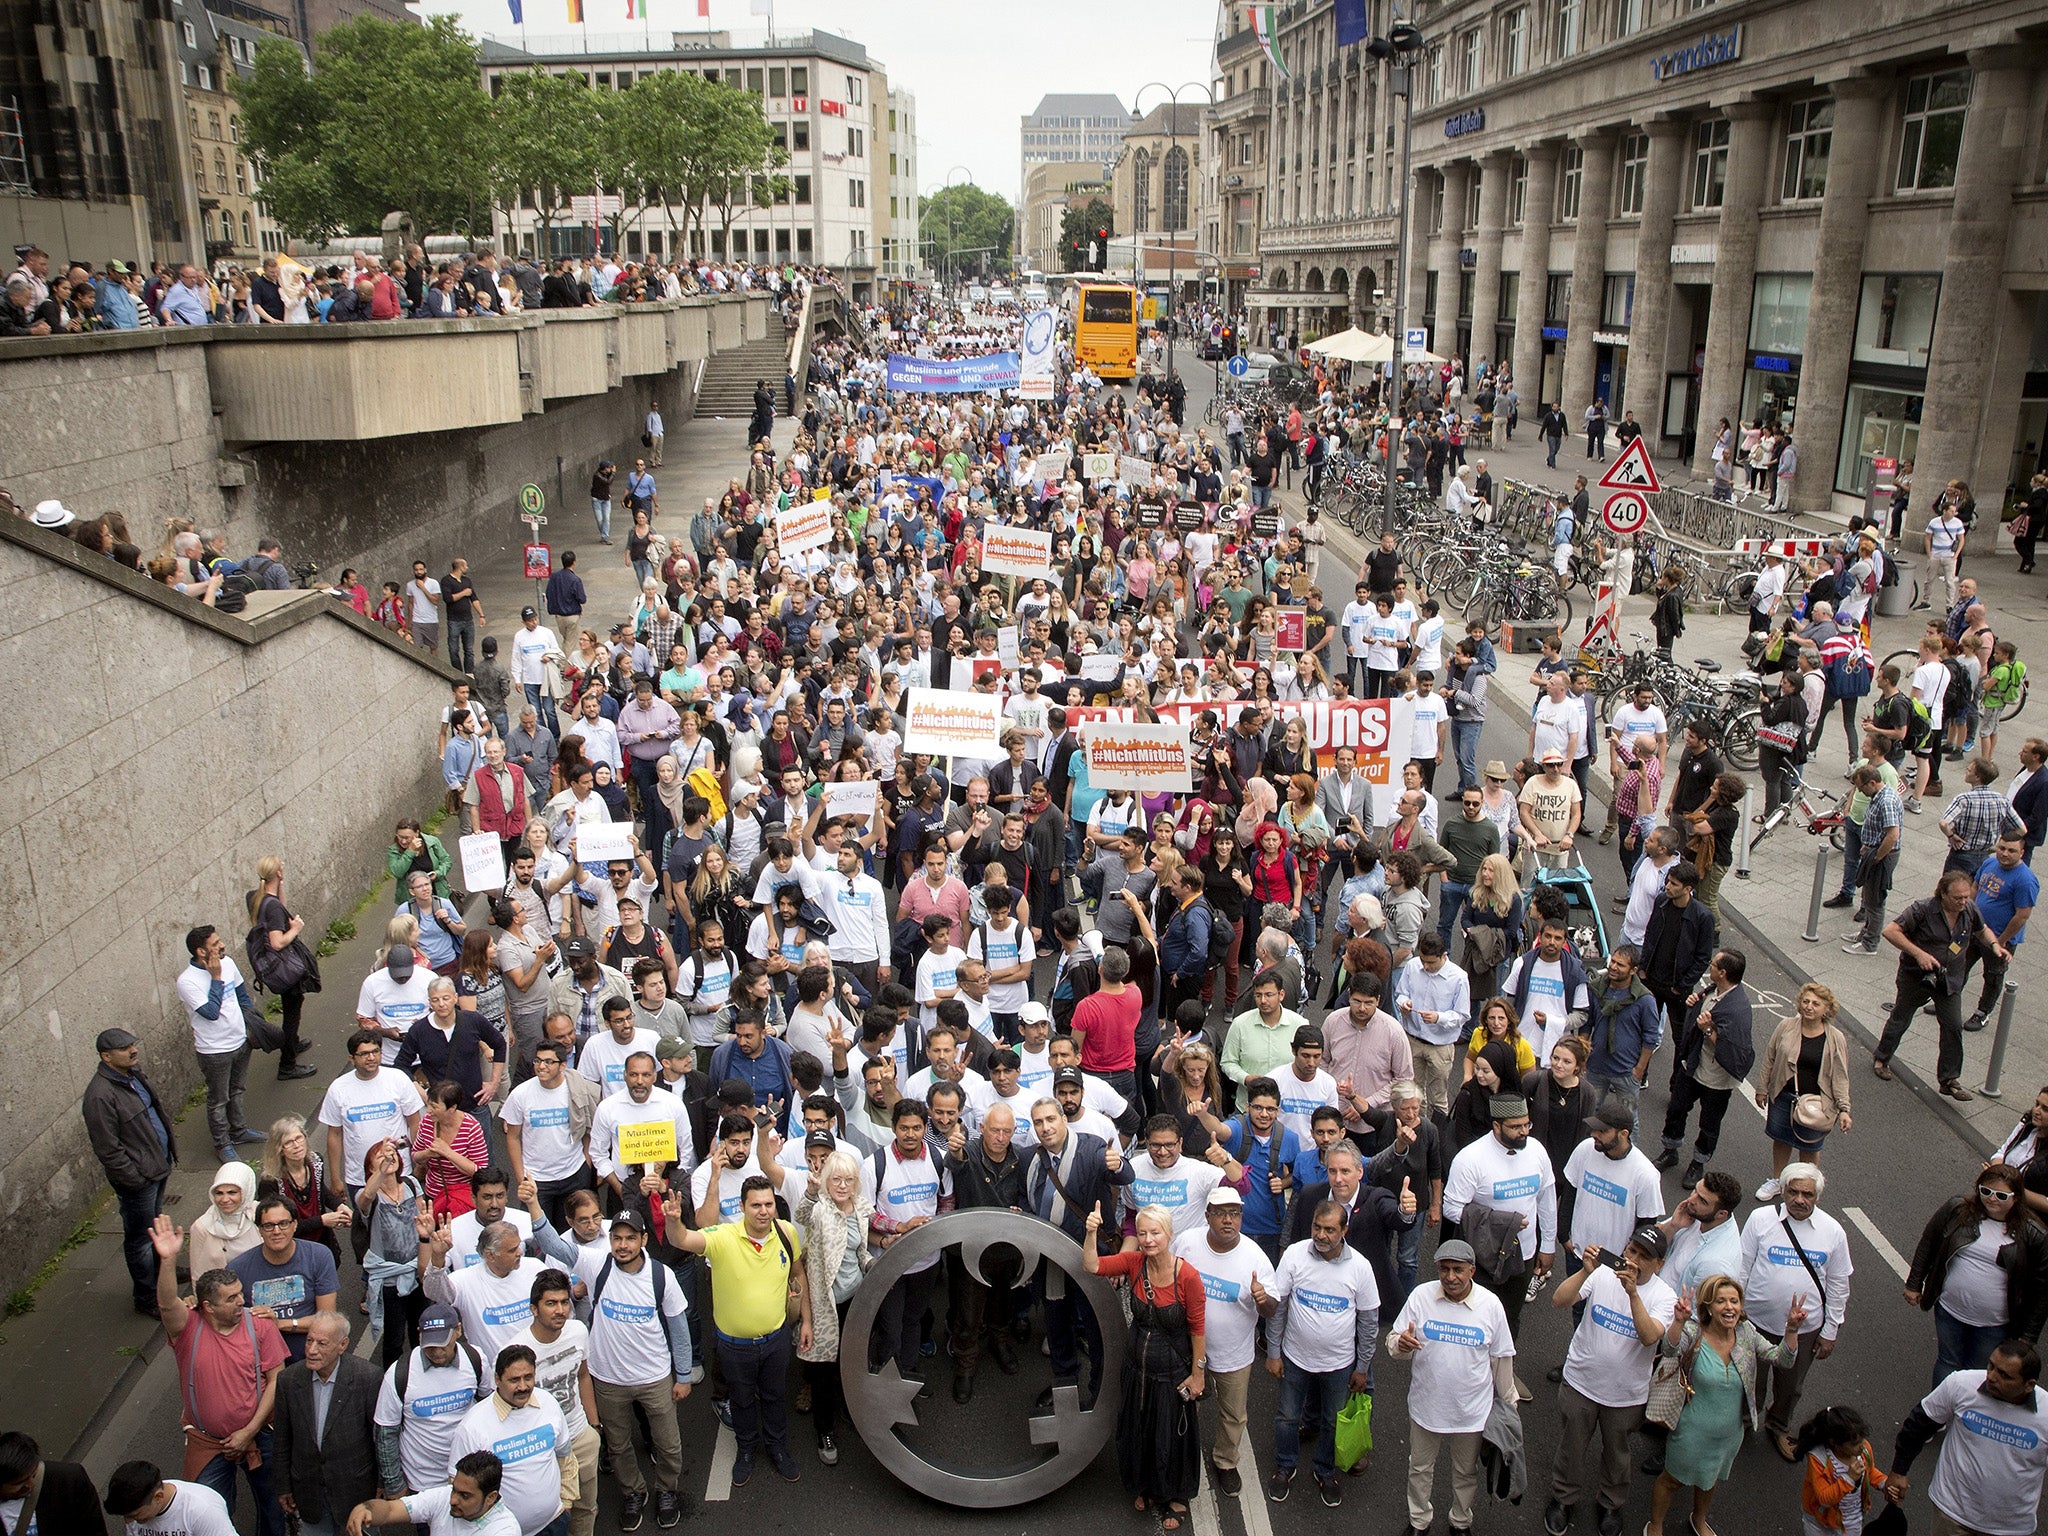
[[231, 1229]]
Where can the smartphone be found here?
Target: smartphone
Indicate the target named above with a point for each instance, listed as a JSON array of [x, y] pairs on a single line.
[[1610, 1260]]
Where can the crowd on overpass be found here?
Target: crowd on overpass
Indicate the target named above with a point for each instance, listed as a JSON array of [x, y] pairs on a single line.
[[1313, 1051]]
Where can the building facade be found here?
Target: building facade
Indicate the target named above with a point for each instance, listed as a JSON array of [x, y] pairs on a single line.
[[1830, 213], [215, 45], [820, 93], [1152, 188], [1238, 130], [900, 245], [1075, 130], [1051, 188]]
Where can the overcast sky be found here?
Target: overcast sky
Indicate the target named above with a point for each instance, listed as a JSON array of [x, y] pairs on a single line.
[[975, 67]]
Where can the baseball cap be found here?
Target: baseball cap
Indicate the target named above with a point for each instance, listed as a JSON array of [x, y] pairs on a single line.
[[631, 1219], [1457, 1250], [1067, 1075], [529, 613], [1651, 1240], [669, 1048], [1223, 1194], [824, 1141], [113, 1040], [438, 1324], [1033, 1013], [119, 268], [578, 949], [399, 962]]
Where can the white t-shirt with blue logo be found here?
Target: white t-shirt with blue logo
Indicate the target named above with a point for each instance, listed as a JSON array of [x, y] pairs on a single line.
[[1232, 1316], [465, 1229], [729, 1182], [542, 1115], [1988, 1477], [628, 1342], [1486, 1174], [1450, 1390], [1003, 951], [1608, 1362], [1300, 1100], [493, 1307], [529, 1443], [910, 1188], [1321, 1299], [1773, 1273], [369, 1112], [938, 971], [436, 1398], [1182, 1189], [1615, 1197], [603, 1057]]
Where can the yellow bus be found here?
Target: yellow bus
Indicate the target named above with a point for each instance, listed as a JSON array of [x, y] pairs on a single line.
[[1106, 330]]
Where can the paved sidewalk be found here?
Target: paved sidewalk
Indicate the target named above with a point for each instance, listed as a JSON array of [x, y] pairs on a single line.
[[1770, 908]]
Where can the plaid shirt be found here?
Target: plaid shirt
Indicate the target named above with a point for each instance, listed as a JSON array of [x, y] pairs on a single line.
[[1976, 819], [1886, 811]]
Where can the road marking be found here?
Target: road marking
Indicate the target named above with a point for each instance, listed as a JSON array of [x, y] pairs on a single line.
[[1251, 1502], [1869, 1229], [718, 1483], [1202, 1512]]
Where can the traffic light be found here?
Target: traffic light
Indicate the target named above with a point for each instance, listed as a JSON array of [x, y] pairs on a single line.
[[1102, 248]]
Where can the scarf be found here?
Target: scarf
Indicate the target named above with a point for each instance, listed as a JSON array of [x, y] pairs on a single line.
[[1610, 1005], [672, 797], [230, 1229], [1056, 1179]]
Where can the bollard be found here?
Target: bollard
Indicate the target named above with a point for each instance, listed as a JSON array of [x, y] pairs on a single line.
[[1820, 890], [1743, 833], [1995, 1068]]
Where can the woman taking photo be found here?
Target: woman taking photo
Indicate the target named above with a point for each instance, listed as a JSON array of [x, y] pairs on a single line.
[[834, 1216], [1982, 1269], [1720, 1358], [1804, 1086], [1158, 1422], [294, 1174], [289, 960]]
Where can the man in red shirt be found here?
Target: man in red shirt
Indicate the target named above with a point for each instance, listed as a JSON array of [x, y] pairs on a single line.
[[1106, 1026], [228, 1360]]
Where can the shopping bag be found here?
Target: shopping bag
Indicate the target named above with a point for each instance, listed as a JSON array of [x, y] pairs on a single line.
[[1354, 1431]]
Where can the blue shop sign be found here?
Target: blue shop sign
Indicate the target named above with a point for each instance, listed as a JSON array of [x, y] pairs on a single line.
[[1464, 123], [1553, 333], [1713, 48], [1771, 362]]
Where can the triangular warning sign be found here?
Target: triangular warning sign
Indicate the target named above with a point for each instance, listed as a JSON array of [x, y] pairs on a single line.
[[1632, 471]]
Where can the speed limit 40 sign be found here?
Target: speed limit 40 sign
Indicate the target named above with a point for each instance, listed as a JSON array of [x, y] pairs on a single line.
[[1625, 512]]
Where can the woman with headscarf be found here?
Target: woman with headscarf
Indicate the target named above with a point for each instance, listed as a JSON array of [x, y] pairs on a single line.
[[228, 1225], [1494, 1072]]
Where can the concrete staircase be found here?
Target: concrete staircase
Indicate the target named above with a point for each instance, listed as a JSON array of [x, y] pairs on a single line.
[[729, 377]]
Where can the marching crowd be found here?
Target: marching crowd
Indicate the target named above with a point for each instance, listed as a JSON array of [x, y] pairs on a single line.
[[763, 990]]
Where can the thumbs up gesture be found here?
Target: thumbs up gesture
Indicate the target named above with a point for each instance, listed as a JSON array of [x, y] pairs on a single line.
[[1407, 1199]]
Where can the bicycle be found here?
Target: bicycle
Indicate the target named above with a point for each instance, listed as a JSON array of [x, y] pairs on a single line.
[[1730, 712], [1517, 594], [1817, 812]]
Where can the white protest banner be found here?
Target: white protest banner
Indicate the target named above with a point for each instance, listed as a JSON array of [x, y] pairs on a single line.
[[599, 842], [1050, 468], [1011, 551], [1150, 758], [1101, 666], [806, 525], [953, 724], [858, 799], [1136, 471], [1098, 466], [483, 862], [1006, 645]]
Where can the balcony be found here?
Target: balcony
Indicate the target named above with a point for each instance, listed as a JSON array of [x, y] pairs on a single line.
[[1301, 236], [1254, 103]]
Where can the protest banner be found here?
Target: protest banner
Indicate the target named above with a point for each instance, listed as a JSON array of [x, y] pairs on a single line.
[[599, 842], [1266, 522], [953, 376], [1035, 373], [1187, 516], [1151, 511], [1292, 633], [858, 799], [1136, 471], [1150, 758], [1011, 551], [805, 525], [483, 862], [1101, 666], [951, 724], [1098, 466], [1006, 645], [1050, 468]]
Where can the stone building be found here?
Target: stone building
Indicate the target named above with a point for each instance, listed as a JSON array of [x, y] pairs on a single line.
[[1152, 189], [1238, 130]]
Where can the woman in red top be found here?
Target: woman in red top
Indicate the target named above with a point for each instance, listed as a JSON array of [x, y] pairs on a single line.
[[1276, 874], [449, 1148], [1158, 1422]]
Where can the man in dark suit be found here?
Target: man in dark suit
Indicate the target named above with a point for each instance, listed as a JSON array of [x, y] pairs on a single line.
[[1071, 1174], [326, 1432], [1374, 1218], [1715, 1053], [61, 1495]]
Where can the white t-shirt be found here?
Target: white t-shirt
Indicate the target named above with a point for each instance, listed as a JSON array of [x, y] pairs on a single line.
[[1450, 1391], [1232, 1317], [1034, 1075], [620, 1109], [1299, 1100], [1640, 726], [529, 1442], [628, 1342], [938, 971], [729, 1182], [421, 592], [1429, 646], [1988, 1475], [1975, 1290], [1930, 687], [1614, 1197], [394, 1004], [493, 1307], [1320, 1299], [436, 1398], [529, 646], [542, 1116], [1429, 713], [1486, 1174], [1774, 1273], [1182, 1189], [1557, 722], [910, 1188], [227, 1031], [1546, 996], [465, 1229], [368, 1112], [1357, 621], [603, 1059], [194, 1510], [1004, 950], [1383, 637], [1608, 1361], [431, 1510]]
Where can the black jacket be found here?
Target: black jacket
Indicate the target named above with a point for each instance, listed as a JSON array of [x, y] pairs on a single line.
[[980, 1183], [1376, 1222], [68, 1505], [559, 291], [457, 1057], [1696, 935], [117, 1122], [2025, 1261], [330, 1474]]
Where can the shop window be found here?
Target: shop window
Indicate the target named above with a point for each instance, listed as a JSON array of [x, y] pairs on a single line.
[[1876, 423], [1617, 300], [1777, 316], [1895, 318]]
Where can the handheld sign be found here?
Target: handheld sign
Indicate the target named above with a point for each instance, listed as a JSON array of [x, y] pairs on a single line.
[[1151, 511], [651, 1144], [599, 842], [1187, 517], [1292, 631], [483, 862]]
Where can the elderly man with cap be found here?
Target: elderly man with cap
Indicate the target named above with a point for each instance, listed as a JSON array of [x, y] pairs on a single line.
[[1504, 1184], [131, 1135], [1456, 1331], [1606, 1378], [1238, 1281]]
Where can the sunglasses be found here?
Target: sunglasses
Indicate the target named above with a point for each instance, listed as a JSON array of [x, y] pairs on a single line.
[[1991, 1192]]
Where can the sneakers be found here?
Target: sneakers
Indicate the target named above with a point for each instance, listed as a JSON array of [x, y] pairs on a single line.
[[1332, 1491], [1975, 1021], [1278, 1484], [828, 1450], [696, 1375], [742, 1468], [785, 1465], [1836, 903], [1768, 1191], [631, 1508], [293, 1074], [247, 1136], [1228, 1479], [1858, 947], [1913, 805], [1557, 1519], [668, 1508]]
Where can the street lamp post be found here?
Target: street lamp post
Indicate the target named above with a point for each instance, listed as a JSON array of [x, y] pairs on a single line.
[[1401, 47], [952, 217], [1172, 244]]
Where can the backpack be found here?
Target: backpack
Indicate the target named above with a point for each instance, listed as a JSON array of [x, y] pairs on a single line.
[[1222, 934], [700, 960], [232, 596], [907, 945], [604, 1274], [483, 1387], [1081, 978], [1956, 701]]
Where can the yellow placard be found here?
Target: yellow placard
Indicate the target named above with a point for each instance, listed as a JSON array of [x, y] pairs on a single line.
[[651, 1141]]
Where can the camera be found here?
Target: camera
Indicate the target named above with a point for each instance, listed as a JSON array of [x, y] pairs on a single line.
[[304, 572]]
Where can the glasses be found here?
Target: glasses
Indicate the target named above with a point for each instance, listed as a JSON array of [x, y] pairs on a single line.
[[276, 1226], [1991, 1192]]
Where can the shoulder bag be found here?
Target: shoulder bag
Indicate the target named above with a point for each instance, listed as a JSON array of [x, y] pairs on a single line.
[[1671, 1386]]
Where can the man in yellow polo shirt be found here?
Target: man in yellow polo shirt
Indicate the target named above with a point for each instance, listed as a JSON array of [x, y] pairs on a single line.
[[754, 1263]]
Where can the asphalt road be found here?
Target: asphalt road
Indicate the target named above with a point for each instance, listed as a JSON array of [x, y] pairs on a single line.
[[1885, 1177]]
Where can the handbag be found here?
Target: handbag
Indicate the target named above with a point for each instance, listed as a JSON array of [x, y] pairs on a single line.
[[1670, 1388], [1779, 738], [1354, 1431], [1813, 1112]]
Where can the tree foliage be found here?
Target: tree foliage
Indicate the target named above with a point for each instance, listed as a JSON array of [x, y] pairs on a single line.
[[1078, 226], [962, 217]]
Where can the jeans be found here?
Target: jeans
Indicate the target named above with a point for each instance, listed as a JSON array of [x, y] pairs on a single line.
[[226, 1072], [757, 1379], [139, 1208], [1852, 857], [1962, 1346], [1465, 747], [897, 1324], [1713, 1102], [1916, 991], [544, 707], [1449, 902], [1623, 1089], [642, 570], [602, 511], [461, 644], [219, 1475], [1408, 1254], [1310, 1399], [1236, 441]]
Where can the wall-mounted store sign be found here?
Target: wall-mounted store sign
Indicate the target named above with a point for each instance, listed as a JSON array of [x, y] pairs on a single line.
[[1772, 362], [1468, 258], [1464, 123], [1714, 48], [832, 108], [1610, 338], [1692, 255], [1553, 333]]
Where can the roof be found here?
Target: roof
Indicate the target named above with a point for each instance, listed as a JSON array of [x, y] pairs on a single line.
[[1186, 120], [1078, 106]]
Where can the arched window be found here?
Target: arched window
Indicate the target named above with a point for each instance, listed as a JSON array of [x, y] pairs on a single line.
[[220, 173], [248, 231], [1174, 196], [1141, 190]]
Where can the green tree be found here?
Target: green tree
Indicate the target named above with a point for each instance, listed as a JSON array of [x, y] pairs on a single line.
[[547, 131], [736, 149], [391, 117], [962, 217], [1078, 226]]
